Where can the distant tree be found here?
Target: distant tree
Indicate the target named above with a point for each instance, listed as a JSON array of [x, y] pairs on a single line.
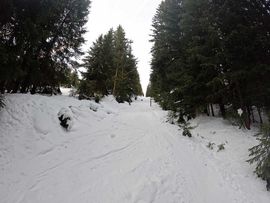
[[148, 91], [70, 79], [112, 67], [96, 69], [108, 59]]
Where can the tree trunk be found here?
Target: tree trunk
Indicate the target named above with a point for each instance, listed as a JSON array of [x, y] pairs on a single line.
[[252, 115], [206, 110], [222, 109], [33, 89], [24, 85], [243, 107], [212, 110], [115, 81], [248, 120], [260, 114], [2, 87], [15, 87]]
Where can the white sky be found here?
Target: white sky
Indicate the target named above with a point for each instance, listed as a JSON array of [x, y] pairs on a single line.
[[136, 18]]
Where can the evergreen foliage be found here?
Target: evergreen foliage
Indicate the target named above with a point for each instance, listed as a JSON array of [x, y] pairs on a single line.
[[261, 155], [221, 147], [211, 52], [186, 130], [70, 79], [210, 145], [39, 42], [2, 104], [149, 91], [111, 68], [214, 52]]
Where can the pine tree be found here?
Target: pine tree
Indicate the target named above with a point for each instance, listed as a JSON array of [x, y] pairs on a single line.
[[96, 72], [261, 155], [120, 44], [203, 53], [70, 79], [148, 90], [167, 51], [108, 58], [39, 40], [242, 38], [126, 78], [111, 68]]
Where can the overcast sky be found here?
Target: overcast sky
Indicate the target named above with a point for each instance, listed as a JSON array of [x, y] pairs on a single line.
[[136, 18]]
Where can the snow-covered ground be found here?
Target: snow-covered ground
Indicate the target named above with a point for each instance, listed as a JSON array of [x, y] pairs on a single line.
[[119, 153]]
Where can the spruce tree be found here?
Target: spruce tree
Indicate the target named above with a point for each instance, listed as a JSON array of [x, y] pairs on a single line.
[[108, 59], [167, 49], [39, 41], [96, 72], [111, 68], [244, 51], [261, 155], [126, 76], [148, 91], [204, 54]]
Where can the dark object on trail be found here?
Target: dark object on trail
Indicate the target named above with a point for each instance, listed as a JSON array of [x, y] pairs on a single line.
[[64, 121], [119, 99], [65, 118], [268, 184], [186, 129], [186, 132], [84, 97], [2, 104], [48, 90], [97, 99]]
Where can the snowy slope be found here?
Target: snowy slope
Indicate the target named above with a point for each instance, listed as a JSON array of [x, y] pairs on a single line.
[[119, 153]]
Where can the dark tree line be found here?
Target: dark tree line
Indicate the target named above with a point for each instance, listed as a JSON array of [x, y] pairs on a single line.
[[39, 42], [212, 52], [209, 52], [111, 68]]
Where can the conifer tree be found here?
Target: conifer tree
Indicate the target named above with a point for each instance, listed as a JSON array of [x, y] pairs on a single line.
[[96, 72], [39, 40], [209, 52], [245, 51], [111, 68], [148, 90], [108, 59], [261, 155]]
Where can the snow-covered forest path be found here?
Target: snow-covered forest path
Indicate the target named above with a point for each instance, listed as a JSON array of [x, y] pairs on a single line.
[[127, 154]]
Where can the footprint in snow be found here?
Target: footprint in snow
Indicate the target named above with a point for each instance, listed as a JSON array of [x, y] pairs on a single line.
[[113, 136]]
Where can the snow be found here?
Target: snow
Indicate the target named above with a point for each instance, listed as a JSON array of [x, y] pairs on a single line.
[[120, 153], [240, 112], [67, 91]]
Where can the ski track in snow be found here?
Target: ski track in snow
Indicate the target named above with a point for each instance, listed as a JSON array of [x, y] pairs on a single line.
[[120, 153]]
